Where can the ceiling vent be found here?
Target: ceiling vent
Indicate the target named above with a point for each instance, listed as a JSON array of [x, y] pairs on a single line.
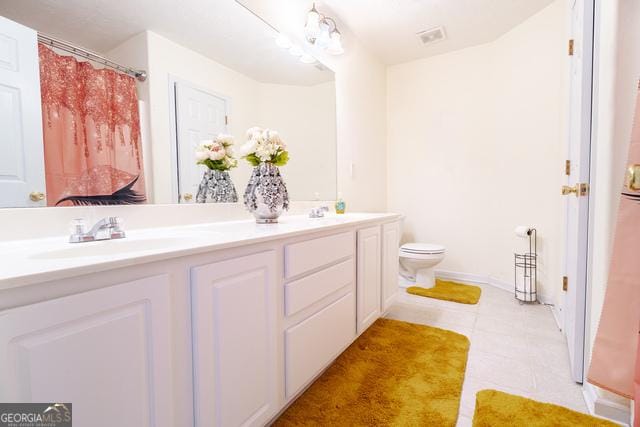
[[433, 35]]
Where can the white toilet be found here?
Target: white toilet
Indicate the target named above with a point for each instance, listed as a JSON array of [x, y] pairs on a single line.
[[419, 259]]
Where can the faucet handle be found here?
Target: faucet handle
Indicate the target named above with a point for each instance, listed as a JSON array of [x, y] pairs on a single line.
[[77, 226], [116, 227]]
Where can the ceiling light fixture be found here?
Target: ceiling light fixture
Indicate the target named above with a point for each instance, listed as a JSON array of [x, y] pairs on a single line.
[[322, 31]]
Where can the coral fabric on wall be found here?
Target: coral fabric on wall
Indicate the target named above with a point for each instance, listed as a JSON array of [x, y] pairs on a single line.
[[636, 394], [91, 129], [614, 360]]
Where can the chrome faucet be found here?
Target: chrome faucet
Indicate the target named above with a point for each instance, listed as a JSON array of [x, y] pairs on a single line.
[[318, 212], [106, 229]]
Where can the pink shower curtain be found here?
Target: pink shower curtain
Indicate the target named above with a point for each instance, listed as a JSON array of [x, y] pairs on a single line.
[[615, 361], [91, 133]]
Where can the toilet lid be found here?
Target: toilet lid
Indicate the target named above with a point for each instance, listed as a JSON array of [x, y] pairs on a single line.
[[422, 248]]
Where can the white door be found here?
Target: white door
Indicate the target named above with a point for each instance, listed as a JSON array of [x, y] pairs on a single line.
[[368, 277], [105, 351], [235, 341], [577, 202], [390, 243], [21, 150], [199, 116]]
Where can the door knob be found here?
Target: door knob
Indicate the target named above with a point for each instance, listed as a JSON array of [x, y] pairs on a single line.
[[632, 179], [36, 196], [187, 197], [578, 189]]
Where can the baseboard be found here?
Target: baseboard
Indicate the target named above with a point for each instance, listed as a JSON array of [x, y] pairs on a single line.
[[476, 279], [462, 277], [600, 406]]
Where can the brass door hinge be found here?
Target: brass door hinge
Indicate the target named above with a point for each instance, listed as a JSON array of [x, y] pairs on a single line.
[[226, 120], [567, 167], [571, 42], [565, 283]]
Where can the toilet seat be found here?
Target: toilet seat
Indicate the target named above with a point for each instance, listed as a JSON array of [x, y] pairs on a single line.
[[422, 249]]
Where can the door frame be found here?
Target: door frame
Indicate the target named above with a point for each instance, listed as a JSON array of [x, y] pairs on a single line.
[[173, 127]]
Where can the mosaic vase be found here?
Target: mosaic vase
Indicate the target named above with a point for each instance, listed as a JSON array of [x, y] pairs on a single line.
[[216, 187], [266, 196]]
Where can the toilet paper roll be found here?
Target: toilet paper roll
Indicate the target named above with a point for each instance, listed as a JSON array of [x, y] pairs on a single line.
[[522, 231]]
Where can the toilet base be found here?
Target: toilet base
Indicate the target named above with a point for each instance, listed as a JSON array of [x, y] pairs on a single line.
[[426, 278]]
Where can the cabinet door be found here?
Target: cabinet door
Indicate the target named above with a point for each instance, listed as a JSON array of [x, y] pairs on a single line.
[[234, 341], [390, 242], [368, 289], [105, 351]]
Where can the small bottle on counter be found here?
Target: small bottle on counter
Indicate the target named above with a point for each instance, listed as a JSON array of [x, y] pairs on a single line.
[[340, 205]]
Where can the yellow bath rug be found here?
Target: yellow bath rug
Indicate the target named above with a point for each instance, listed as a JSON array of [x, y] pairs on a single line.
[[449, 291], [495, 409], [394, 374]]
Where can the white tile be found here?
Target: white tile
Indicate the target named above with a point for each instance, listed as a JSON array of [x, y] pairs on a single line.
[[454, 317], [464, 421], [499, 325], [511, 346], [552, 388], [500, 370]]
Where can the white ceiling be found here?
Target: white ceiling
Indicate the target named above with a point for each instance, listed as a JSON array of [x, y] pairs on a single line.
[[219, 29], [388, 27]]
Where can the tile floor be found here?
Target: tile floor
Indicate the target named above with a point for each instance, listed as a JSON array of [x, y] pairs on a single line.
[[514, 348]]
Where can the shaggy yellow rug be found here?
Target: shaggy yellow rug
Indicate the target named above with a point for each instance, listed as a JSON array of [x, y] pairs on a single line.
[[449, 291], [495, 408], [394, 374]]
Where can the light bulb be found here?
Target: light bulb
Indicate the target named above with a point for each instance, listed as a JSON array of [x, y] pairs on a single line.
[[323, 38], [335, 45], [307, 59], [283, 42], [312, 26], [296, 50]]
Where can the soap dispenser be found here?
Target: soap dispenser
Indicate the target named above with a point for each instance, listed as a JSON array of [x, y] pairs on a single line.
[[340, 205]]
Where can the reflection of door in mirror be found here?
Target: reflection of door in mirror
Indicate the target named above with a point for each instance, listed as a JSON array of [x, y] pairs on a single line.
[[199, 116], [21, 160]]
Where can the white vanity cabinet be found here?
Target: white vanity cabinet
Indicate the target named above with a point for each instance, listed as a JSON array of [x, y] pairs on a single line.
[[220, 336], [107, 351], [369, 279], [235, 341], [390, 244]]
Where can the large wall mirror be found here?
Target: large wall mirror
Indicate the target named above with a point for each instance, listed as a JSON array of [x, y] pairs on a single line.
[[111, 102]]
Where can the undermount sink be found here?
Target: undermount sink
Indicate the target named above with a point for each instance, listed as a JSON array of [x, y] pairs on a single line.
[[111, 247]]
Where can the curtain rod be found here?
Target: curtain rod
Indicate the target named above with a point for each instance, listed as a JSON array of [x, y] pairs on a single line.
[[141, 75]]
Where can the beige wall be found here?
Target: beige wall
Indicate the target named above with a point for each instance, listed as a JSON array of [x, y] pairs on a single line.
[[306, 119], [476, 147]]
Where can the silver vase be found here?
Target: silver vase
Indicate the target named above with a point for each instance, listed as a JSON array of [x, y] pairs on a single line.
[[216, 187], [266, 195]]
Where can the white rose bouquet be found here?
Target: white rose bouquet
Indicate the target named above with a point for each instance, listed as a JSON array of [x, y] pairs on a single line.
[[264, 146], [217, 154]]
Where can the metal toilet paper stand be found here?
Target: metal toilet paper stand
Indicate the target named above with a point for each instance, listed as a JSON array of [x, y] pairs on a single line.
[[525, 271]]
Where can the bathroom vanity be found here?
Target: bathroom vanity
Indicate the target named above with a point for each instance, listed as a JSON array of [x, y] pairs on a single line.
[[213, 324]]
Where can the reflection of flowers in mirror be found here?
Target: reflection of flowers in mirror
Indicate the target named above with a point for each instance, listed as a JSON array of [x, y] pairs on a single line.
[[264, 146], [217, 154]]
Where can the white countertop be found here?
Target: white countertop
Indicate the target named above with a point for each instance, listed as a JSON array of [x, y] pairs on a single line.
[[25, 262]]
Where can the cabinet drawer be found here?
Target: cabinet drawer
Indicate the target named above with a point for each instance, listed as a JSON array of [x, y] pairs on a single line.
[[304, 292], [302, 257], [326, 333]]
